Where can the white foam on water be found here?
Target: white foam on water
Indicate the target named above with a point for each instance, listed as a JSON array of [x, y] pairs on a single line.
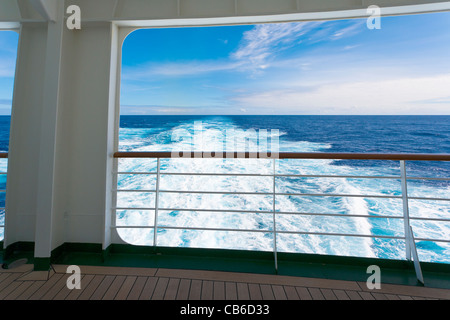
[[185, 138]]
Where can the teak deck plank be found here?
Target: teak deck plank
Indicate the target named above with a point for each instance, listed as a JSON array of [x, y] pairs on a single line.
[[278, 292], [56, 288], [124, 290], [303, 293], [148, 289], [183, 289], [207, 290], [39, 294], [85, 280], [196, 290], [116, 283], [219, 290], [172, 288], [102, 288], [243, 292], [19, 290], [231, 291], [91, 287], [9, 289], [113, 289], [266, 292], [316, 294], [341, 295], [255, 291], [160, 289], [137, 288], [291, 293]]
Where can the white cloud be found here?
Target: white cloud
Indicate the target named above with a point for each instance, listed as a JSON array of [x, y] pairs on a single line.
[[7, 67], [177, 69], [338, 81], [261, 45], [258, 44], [395, 96], [256, 52], [350, 47], [170, 110], [154, 109], [351, 29]]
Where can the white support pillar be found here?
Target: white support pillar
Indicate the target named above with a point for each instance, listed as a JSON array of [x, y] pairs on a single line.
[[112, 134], [46, 158], [25, 127]]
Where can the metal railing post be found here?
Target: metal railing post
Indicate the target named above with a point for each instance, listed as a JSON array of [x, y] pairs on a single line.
[[417, 268], [274, 221], [409, 236], [405, 209], [155, 225]]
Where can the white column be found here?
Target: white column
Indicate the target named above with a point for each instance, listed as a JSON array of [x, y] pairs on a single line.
[[24, 146], [112, 133], [47, 139]]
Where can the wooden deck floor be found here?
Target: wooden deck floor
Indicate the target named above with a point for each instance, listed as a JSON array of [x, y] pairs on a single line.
[[114, 283]]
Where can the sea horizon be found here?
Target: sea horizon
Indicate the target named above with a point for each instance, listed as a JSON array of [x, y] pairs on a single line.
[[300, 133], [297, 134]]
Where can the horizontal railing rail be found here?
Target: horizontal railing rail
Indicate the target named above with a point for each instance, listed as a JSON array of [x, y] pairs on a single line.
[[284, 155], [407, 236]]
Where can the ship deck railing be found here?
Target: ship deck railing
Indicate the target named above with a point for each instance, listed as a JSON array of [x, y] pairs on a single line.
[[407, 236]]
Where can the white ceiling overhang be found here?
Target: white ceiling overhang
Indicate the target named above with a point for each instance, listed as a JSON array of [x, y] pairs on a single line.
[[46, 8], [147, 13]]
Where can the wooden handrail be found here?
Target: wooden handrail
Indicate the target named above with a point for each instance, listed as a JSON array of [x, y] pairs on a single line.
[[285, 155], [3, 155]]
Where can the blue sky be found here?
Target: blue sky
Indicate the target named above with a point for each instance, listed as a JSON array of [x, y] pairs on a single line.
[[8, 52], [331, 67], [320, 67]]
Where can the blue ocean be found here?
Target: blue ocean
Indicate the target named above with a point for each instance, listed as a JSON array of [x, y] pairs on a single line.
[[245, 201], [236, 204]]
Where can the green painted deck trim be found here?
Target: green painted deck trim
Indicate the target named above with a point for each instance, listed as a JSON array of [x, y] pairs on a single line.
[[21, 249], [292, 264], [42, 264], [15, 251]]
